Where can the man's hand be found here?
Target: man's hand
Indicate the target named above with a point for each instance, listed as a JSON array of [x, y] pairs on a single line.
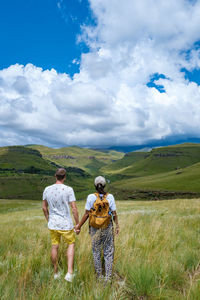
[[77, 229], [78, 226], [45, 209], [74, 211]]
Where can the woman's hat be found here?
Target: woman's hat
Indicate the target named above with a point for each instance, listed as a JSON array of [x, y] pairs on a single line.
[[100, 180]]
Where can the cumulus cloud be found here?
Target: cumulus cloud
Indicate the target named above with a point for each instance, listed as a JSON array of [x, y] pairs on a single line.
[[172, 24], [109, 102]]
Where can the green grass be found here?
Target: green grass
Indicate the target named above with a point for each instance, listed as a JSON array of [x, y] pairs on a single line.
[[125, 162], [7, 206], [159, 160], [87, 159], [24, 174], [24, 186], [150, 175], [31, 186], [21, 158], [157, 254], [77, 151], [186, 179]]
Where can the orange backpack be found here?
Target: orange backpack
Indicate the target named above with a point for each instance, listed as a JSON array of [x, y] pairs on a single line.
[[100, 216]]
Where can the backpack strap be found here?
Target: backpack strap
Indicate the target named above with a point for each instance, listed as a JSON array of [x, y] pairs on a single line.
[[98, 196], [105, 195]]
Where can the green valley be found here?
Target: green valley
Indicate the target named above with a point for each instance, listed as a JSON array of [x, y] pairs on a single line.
[[26, 170], [158, 160], [89, 160], [164, 172]]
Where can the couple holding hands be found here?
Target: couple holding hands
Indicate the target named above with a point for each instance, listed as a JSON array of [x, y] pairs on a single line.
[[100, 208]]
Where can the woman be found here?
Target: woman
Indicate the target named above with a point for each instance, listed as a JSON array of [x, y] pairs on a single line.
[[100, 208]]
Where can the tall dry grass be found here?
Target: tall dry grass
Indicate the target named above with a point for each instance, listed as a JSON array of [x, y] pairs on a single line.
[[157, 255]]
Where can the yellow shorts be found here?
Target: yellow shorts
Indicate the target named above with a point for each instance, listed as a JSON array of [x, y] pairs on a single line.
[[67, 235]]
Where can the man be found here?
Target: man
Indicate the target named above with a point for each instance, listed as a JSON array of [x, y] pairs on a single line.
[[101, 226], [56, 200]]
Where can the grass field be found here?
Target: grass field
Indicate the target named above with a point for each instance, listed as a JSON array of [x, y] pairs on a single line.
[[157, 254], [186, 179]]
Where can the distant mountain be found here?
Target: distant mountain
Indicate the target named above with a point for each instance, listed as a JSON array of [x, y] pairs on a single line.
[[154, 144], [89, 160]]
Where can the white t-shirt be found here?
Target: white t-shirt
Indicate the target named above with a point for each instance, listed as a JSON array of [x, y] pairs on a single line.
[[92, 198], [58, 197]]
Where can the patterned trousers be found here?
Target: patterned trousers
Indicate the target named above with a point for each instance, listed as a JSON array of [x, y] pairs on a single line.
[[103, 238]]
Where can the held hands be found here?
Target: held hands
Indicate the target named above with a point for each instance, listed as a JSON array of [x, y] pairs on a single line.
[[77, 229]]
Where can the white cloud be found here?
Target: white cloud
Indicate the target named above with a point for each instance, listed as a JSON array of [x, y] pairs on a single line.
[[172, 24], [108, 102]]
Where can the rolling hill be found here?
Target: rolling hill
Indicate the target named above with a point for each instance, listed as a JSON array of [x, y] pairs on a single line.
[[159, 160], [22, 159], [185, 179], [89, 160], [26, 170], [129, 159], [178, 183], [165, 172], [24, 173]]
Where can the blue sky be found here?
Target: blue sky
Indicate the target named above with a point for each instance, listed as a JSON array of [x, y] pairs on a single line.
[[43, 32], [88, 73]]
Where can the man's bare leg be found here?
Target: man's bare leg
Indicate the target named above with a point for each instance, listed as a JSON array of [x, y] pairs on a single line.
[[54, 257], [70, 257]]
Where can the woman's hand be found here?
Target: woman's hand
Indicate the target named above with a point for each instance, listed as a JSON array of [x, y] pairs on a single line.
[[117, 229]]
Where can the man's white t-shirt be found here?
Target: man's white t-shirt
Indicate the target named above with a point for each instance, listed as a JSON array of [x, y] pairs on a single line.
[[58, 197], [92, 198]]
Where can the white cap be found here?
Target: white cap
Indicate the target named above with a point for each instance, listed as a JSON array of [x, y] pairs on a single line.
[[101, 180]]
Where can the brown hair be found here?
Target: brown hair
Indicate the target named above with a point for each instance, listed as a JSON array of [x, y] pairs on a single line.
[[60, 174], [100, 188]]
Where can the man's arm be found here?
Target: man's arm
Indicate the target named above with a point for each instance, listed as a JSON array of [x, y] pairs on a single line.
[[75, 211], [83, 220], [115, 218], [45, 209]]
